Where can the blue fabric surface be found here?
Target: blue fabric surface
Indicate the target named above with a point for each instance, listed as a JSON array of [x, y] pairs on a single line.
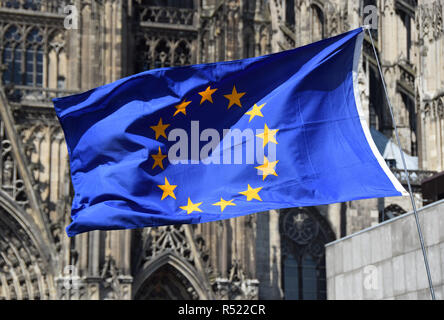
[[322, 152]]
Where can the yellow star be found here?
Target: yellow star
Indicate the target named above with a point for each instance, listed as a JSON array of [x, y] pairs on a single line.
[[256, 111], [251, 193], [268, 135], [190, 207], [159, 129], [206, 95], [267, 168], [168, 189], [182, 107], [234, 97], [158, 158], [223, 203]]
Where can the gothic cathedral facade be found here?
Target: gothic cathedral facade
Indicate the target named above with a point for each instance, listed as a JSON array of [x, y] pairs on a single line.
[[269, 255]]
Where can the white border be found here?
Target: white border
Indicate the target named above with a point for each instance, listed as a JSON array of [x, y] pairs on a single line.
[[365, 128]]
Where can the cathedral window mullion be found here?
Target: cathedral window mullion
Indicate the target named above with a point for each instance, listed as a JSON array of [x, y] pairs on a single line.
[[45, 75], [23, 64], [34, 66]]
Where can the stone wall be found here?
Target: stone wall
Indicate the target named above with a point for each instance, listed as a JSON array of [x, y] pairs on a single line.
[[386, 262]]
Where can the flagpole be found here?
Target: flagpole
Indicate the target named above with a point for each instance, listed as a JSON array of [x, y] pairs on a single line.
[[418, 225]]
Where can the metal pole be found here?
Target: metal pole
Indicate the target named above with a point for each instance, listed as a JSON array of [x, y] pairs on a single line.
[[421, 238]]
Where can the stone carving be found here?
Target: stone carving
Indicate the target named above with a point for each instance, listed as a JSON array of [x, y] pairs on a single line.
[[11, 182], [21, 264], [236, 286], [300, 227], [171, 15], [430, 20], [304, 232], [162, 239], [434, 108]]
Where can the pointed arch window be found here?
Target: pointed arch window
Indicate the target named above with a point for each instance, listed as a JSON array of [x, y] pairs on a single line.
[[304, 232], [12, 56], [34, 59], [23, 60], [182, 54], [162, 54], [166, 283]]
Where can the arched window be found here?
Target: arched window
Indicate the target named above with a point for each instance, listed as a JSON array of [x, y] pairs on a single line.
[[23, 66], [166, 283], [317, 23], [304, 232], [34, 59], [12, 56], [182, 54], [289, 13], [24, 4], [162, 54]]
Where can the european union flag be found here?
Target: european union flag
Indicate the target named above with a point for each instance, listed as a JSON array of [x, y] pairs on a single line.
[[215, 141]]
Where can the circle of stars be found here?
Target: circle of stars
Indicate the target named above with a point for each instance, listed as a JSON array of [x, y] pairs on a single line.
[[234, 99]]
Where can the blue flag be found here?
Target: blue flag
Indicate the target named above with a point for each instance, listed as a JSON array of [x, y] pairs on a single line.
[[215, 141]]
